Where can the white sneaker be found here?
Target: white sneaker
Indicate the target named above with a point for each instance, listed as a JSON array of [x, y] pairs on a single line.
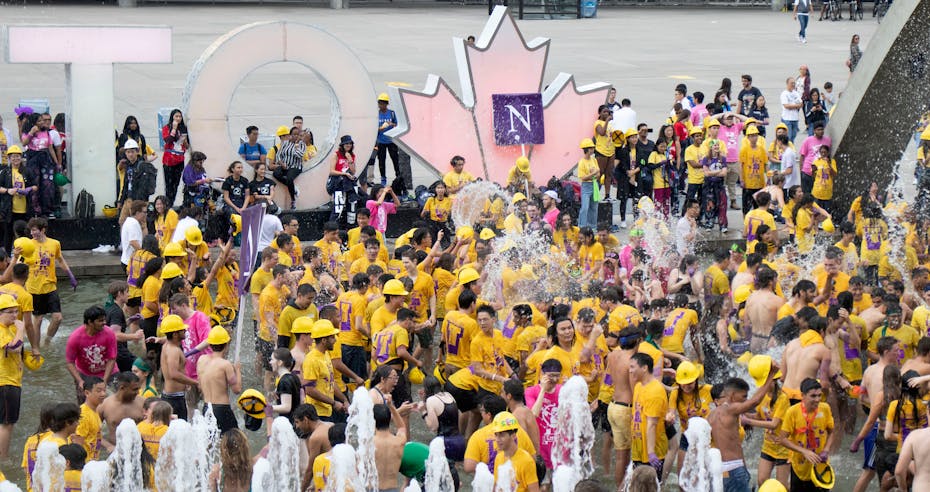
[[623, 224], [803, 40], [723, 230]]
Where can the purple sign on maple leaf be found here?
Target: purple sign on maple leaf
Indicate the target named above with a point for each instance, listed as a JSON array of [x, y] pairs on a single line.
[[518, 119]]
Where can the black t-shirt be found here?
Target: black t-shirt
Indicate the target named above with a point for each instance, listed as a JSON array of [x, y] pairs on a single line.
[[288, 384], [116, 318], [748, 97], [236, 190], [261, 187]]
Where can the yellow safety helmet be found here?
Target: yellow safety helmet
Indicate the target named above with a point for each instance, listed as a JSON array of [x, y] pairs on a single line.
[[759, 368], [742, 293], [772, 485], [687, 373], [822, 475], [752, 131], [7, 301], [223, 314], [32, 361], [523, 164], [171, 324], [282, 130], [630, 132], [695, 130], [467, 275], [828, 225], [505, 421], [171, 270], [323, 328], [394, 287], [439, 374], [217, 336], [586, 143], [173, 250], [14, 149], [923, 136], [26, 246], [193, 236], [517, 197], [236, 221], [744, 359], [416, 376], [780, 126], [487, 234], [383, 97], [464, 232], [253, 403], [302, 324]]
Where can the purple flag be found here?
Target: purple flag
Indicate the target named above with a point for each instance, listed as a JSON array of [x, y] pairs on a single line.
[[251, 229], [518, 119]]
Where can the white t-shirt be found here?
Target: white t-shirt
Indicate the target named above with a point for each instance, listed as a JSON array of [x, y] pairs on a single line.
[[183, 225], [271, 226], [625, 118], [682, 229], [790, 97], [789, 159], [131, 231]]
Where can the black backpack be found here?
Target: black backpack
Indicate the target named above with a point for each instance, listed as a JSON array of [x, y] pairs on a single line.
[[84, 205]]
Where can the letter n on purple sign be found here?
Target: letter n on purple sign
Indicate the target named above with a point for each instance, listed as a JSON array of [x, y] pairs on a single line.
[[518, 119]]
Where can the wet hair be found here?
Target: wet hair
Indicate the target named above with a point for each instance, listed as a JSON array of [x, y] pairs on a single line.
[[630, 337], [467, 298], [885, 344], [403, 314], [493, 404], [63, 415], [515, 389], [94, 313], [121, 379], [151, 268], [891, 384], [161, 411], [382, 415], [590, 485], [806, 313], [432, 386], [284, 355], [381, 373], [721, 254], [735, 384], [487, 309], [765, 276], [810, 384], [90, 382], [550, 365], [923, 346], [75, 454], [802, 286], [644, 479], [336, 434], [643, 360], [235, 459], [553, 331], [909, 395], [817, 323], [305, 411]]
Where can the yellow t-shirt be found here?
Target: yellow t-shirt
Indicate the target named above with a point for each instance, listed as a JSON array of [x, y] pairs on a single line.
[[586, 166], [920, 320], [602, 143], [11, 361], [513, 224], [753, 160], [226, 293], [19, 201], [677, 324], [23, 298], [803, 231], [904, 418], [590, 256], [753, 219], [358, 251], [695, 153], [517, 178], [658, 178], [321, 466], [351, 305], [840, 284], [689, 405], [719, 282], [487, 352], [73, 480], [290, 314], [494, 211], [271, 301], [29, 456], [566, 240], [907, 338], [598, 362], [361, 265], [165, 226], [317, 370], [823, 180], [767, 411], [42, 278], [458, 330], [623, 316], [648, 401], [423, 290], [453, 179], [134, 271], [482, 445], [439, 210], [380, 318], [385, 345], [658, 357], [89, 428], [150, 295], [874, 232], [795, 426], [524, 470], [569, 360], [330, 253], [442, 282]]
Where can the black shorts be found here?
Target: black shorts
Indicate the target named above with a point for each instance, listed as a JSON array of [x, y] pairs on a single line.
[[599, 417], [134, 302], [178, 404], [225, 418], [46, 303], [885, 456], [264, 349], [425, 336], [466, 400], [683, 442], [10, 399], [354, 358], [773, 461], [401, 391]]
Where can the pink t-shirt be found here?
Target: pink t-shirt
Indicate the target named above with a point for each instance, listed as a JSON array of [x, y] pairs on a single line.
[[198, 327], [731, 136], [379, 214], [810, 149], [40, 141], [90, 353], [552, 216], [698, 113], [546, 419]]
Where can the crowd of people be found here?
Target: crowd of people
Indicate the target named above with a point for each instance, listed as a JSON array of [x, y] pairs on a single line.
[[466, 327]]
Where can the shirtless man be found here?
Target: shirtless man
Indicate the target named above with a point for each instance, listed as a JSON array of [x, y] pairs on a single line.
[[300, 329], [725, 425], [872, 398], [747, 276], [915, 448], [619, 412], [125, 403], [802, 295], [762, 309], [806, 357], [513, 395], [172, 365], [217, 377], [921, 362], [389, 447], [315, 434], [874, 315]]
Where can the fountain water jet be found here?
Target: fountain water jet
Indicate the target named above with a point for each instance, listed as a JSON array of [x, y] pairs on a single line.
[[49, 473], [95, 477], [182, 460], [360, 434], [126, 467], [701, 468], [574, 437], [284, 456], [343, 474], [484, 479], [438, 476], [262, 478]]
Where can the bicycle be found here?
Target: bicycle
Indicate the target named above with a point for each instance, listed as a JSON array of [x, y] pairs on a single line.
[[831, 10]]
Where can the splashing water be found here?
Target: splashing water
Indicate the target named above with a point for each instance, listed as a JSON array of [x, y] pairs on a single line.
[[574, 435], [484, 479], [124, 460], [262, 478], [523, 267], [564, 479], [506, 478], [438, 476], [414, 486], [469, 201], [701, 465], [95, 477], [658, 240], [343, 474], [182, 461], [206, 431], [360, 433], [49, 473], [284, 456], [7, 486]]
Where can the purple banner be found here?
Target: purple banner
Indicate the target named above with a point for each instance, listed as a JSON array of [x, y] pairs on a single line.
[[251, 229], [518, 119]]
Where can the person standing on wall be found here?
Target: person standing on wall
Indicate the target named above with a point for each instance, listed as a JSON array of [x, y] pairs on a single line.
[[176, 143], [386, 121]]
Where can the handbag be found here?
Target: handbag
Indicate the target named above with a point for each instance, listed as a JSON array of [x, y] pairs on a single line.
[[597, 191]]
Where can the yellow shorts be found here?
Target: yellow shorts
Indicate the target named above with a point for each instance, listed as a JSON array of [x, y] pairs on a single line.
[[621, 423]]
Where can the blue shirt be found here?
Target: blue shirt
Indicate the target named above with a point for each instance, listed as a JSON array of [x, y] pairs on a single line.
[[252, 153], [385, 117]]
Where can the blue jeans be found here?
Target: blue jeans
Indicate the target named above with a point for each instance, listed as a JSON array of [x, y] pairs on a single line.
[[588, 214], [737, 481], [792, 129], [802, 19]]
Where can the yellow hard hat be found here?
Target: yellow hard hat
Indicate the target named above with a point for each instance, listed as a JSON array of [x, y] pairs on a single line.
[[630, 132], [713, 122], [752, 130], [173, 250], [517, 197], [505, 421], [822, 475], [438, 374], [171, 270], [27, 247], [282, 130], [253, 403], [14, 149], [465, 232], [695, 130], [416, 376], [218, 336], [523, 164], [750, 121], [687, 373], [759, 367], [744, 359], [302, 324], [742, 293], [586, 143], [32, 361], [467, 275], [923, 136], [780, 126], [828, 225], [7, 301], [323, 328], [236, 221], [383, 97], [171, 324], [193, 236], [487, 234], [772, 485], [394, 287]]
